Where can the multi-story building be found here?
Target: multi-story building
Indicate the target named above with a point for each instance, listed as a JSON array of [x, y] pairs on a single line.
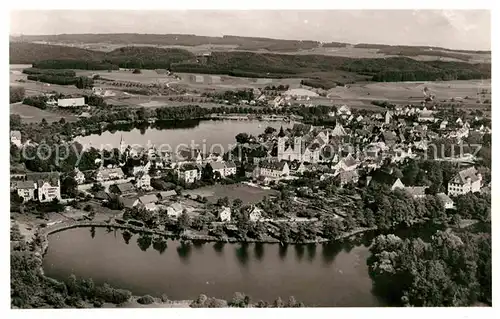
[[26, 190], [189, 173], [274, 170], [467, 180], [48, 186]]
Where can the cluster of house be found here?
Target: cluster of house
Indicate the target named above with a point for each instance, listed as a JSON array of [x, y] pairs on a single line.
[[361, 143], [40, 187]]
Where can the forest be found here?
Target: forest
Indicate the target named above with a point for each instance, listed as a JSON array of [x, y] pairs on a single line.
[[326, 71]]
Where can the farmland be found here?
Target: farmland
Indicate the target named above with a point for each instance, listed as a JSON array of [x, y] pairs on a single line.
[[31, 114]]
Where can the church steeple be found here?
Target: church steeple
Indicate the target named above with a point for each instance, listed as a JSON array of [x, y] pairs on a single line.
[[281, 133]]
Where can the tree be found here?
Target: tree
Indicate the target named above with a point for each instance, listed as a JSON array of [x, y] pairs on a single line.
[[242, 138], [184, 221], [84, 82], [69, 187], [269, 130], [16, 94], [237, 203]]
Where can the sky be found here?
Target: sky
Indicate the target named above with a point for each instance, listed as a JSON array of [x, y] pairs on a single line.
[[456, 29]]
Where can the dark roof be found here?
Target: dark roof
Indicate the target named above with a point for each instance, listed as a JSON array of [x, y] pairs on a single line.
[[272, 165], [462, 176], [217, 165], [40, 178], [230, 165], [25, 185], [125, 187]]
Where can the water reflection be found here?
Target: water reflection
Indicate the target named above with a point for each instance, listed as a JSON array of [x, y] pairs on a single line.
[[259, 251], [144, 242], [126, 236], [299, 250], [160, 245], [184, 251], [311, 252], [282, 251], [242, 253], [219, 248], [92, 232], [198, 244], [330, 251]]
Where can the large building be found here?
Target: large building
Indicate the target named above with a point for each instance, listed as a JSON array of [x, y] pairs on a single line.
[[273, 170], [71, 102], [467, 180]]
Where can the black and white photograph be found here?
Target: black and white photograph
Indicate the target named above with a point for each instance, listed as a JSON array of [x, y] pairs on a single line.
[[277, 158]]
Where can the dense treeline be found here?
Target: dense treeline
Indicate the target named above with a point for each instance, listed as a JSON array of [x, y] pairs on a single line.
[[75, 64], [53, 79], [335, 45], [318, 83], [28, 53], [329, 69], [80, 82], [39, 101], [61, 72], [453, 269]]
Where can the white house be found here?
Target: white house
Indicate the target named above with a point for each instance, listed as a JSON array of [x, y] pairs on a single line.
[[397, 184], [188, 173], [174, 210], [48, 186], [274, 170], [71, 102], [446, 200], [467, 180], [15, 138], [106, 174], [79, 176], [26, 190], [255, 214], [143, 180], [229, 169], [225, 214], [344, 111]]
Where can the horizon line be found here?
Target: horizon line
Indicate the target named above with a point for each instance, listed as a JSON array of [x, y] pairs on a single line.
[[258, 37]]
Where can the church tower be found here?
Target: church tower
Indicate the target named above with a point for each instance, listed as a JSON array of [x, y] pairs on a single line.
[[122, 146], [281, 148]]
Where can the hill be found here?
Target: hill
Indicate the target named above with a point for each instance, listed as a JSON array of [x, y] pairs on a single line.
[[27, 53], [324, 71]]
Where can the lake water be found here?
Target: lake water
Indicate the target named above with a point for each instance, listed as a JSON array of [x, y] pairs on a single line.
[[182, 133], [318, 275]]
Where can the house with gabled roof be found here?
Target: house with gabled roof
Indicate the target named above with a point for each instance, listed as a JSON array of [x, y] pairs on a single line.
[[48, 186], [272, 169], [465, 181]]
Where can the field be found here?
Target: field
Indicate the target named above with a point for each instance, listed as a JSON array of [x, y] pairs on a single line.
[[226, 82], [31, 114], [248, 194], [411, 92]]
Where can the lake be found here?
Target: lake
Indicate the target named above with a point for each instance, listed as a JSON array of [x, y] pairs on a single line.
[[328, 275], [206, 133]]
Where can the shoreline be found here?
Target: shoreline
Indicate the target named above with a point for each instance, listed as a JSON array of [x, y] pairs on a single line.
[[42, 247]]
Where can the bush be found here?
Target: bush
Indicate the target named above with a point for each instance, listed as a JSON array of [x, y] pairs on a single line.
[[16, 94], [137, 71], [146, 300], [88, 208]]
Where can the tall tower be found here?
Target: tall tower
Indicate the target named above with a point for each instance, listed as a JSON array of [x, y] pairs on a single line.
[[122, 145], [281, 148], [297, 147]]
